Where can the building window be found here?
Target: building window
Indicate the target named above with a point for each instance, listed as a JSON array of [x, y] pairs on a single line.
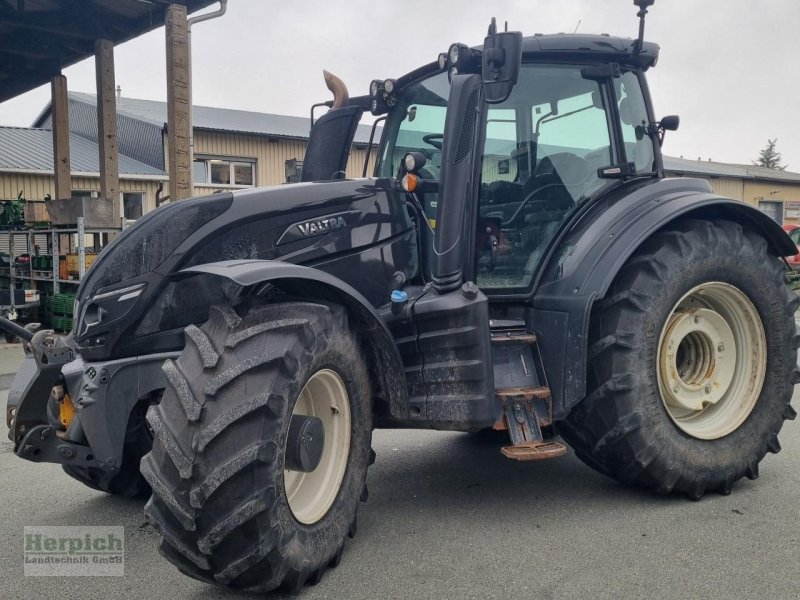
[[133, 204], [239, 172], [85, 194]]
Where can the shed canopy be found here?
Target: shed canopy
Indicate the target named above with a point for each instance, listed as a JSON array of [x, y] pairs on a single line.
[[38, 38]]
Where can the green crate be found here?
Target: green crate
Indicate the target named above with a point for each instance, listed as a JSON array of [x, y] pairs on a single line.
[[62, 304]]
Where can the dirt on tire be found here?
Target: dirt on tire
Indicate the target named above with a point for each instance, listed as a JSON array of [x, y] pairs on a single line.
[[622, 428], [218, 456]]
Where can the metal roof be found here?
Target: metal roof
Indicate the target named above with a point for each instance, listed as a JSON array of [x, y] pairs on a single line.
[[717, 169], [31, 150], [215, 119], [39, 38], [137, 138]]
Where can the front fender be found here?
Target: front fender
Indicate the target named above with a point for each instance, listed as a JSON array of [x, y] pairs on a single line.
[[384, 359], [590, 255]]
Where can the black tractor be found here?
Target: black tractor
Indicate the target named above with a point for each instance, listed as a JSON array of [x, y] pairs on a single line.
[[518, 262]]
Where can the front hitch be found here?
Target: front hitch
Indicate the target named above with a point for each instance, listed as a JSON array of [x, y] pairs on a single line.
[[30, 430]]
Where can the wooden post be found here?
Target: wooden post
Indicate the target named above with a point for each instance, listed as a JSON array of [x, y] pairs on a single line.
[[60, 104], [107, 125], [179, 162]]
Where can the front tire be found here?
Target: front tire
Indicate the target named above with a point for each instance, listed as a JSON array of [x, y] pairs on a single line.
[[227, 508], [693, 357]]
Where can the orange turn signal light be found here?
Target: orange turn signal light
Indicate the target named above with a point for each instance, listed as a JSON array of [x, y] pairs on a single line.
[[410, 182], [66, 411]]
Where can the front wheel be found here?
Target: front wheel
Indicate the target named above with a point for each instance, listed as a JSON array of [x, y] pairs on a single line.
[[692, 362], [262, 442]]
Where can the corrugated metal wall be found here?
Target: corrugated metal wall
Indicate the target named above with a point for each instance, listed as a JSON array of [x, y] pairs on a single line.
[[729, 187], [36, 187], [770, 191], [21, 243], [270, 156]]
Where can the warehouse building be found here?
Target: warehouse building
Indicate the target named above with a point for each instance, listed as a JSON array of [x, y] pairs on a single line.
[[774, 192], [236, 149], [233, 149]]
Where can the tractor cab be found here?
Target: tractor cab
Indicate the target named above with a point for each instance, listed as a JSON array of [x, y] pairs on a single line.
[[576, 123]]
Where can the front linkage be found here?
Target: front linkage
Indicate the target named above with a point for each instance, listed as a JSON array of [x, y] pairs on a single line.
[[26, 415]]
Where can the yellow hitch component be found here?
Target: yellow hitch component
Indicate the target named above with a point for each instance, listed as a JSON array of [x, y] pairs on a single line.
[[67, 411]]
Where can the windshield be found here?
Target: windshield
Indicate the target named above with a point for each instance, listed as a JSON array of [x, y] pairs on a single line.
[[416, 124], [542, 150]]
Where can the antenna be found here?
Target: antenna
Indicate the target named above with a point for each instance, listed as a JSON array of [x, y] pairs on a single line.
[[643, 6], [576, 26]]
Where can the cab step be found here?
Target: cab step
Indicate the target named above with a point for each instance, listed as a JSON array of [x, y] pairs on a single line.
[[525, 412], [533, 451], [523, 395]]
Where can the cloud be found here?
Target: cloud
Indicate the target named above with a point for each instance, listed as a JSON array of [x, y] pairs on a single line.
[[728, 68]]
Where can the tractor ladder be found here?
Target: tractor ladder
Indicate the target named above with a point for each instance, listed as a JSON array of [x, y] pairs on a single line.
[[523, 394]]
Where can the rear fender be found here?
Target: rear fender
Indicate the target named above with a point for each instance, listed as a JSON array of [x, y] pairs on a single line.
[[591, 254], [383, 357]]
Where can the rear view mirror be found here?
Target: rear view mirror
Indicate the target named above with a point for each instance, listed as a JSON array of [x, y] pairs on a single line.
[[670, 123], [500, 63]]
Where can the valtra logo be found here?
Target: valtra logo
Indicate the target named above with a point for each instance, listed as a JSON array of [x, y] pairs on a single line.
[[310, 228]]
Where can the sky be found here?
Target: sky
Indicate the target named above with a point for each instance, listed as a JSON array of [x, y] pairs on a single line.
[[729, 68]]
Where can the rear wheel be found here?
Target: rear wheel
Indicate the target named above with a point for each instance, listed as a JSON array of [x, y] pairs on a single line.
[[262, 443], [692, 363]]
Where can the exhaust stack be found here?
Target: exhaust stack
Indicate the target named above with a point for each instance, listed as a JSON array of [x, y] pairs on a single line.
[[339, 89]]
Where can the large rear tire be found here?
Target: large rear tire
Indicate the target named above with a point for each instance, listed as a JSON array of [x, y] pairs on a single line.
[[692, 363], [228, 509]]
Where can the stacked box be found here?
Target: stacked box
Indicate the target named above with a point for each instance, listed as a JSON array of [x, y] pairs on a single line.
[[36, 214], [61, 307]]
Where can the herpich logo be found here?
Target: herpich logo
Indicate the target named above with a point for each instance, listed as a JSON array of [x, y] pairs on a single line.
[[58, 551], [310, 228]]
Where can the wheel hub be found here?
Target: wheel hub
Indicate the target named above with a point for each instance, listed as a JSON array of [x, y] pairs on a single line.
[[712, 360], [304, 444], [698, 360], [317, 446]]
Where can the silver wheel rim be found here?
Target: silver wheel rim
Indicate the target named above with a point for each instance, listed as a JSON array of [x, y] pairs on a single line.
[[310, 495], [712, 360]]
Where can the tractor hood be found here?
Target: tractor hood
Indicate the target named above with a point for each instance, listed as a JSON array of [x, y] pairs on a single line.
[[134, 301]]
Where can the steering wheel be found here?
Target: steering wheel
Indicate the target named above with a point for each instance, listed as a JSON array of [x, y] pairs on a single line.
[[544, 181], [547, 176], [434, 139]]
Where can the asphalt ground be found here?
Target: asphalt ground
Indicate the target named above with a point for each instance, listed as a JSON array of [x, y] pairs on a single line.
[[449, 517]]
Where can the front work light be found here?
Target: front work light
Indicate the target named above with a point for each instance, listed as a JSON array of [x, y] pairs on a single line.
[[414, 161], [454, 52]]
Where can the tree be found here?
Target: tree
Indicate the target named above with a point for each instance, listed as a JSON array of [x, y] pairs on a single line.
[[769, 157]]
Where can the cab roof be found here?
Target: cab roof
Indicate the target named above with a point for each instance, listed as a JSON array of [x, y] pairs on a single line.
[[582, 46]]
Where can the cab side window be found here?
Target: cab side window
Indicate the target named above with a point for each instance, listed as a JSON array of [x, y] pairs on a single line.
[[634, 122]]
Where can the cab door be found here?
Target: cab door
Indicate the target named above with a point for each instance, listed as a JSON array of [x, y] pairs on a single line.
[[541, 154]]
